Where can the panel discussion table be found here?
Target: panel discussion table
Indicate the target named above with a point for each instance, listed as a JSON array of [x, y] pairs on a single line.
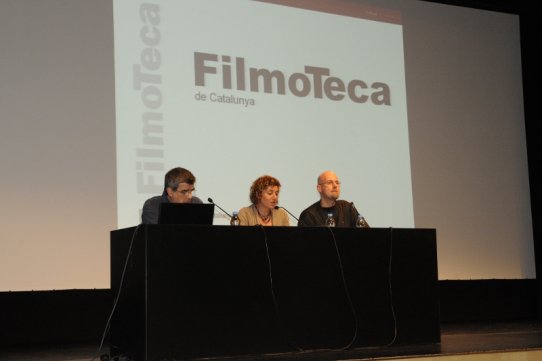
[[188, 291]]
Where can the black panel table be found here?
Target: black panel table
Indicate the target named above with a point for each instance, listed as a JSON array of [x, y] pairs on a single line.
[[209, 291]]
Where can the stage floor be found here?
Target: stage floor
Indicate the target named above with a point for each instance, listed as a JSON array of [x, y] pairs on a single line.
[[456, 339]]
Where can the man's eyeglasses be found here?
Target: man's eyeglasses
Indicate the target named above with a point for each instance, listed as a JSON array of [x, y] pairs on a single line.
[[185, 192], [331, 182]]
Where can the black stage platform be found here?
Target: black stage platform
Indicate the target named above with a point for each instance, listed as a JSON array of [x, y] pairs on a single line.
[[472, 338]]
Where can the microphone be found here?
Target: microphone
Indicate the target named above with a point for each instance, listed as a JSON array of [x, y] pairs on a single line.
[[277, 207], [211, 201], [360, 222]]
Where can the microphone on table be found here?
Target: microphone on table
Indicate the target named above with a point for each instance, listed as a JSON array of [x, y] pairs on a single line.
[[211, 201], [277, 207], [360, 222]]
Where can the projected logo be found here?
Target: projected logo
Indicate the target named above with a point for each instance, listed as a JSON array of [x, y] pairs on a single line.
[[264, 101], [314, 81]]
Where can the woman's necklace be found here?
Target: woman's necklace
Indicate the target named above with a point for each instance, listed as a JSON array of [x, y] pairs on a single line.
[[265, 219]]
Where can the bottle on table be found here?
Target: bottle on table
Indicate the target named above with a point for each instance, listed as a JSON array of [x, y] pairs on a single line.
[[234, 221], [361, 222], [330, 221]]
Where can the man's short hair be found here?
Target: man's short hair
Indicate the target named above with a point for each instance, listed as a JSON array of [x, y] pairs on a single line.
[[176, 176]]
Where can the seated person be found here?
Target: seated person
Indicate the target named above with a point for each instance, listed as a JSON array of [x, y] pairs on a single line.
[[178, 188], [264, 195], [329, 188]]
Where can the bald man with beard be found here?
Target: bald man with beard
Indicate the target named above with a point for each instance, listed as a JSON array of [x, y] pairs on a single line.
[[329, 188]]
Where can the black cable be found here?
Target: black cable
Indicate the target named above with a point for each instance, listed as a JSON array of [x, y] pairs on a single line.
[[275, 302], [277, 311], [345, 285], [350, 303], [108, 323], [391, 292]]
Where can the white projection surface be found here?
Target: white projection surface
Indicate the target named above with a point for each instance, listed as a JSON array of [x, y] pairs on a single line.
[[417, 106], [232, 97]]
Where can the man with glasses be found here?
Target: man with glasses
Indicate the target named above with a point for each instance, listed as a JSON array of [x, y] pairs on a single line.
[[178, 188], [344, 213]]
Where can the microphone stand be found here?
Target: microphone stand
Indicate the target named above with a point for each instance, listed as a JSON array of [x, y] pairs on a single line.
[[211, 201], [294, 217]]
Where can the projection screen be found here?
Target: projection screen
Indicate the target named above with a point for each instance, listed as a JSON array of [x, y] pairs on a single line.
[[416, 106]]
